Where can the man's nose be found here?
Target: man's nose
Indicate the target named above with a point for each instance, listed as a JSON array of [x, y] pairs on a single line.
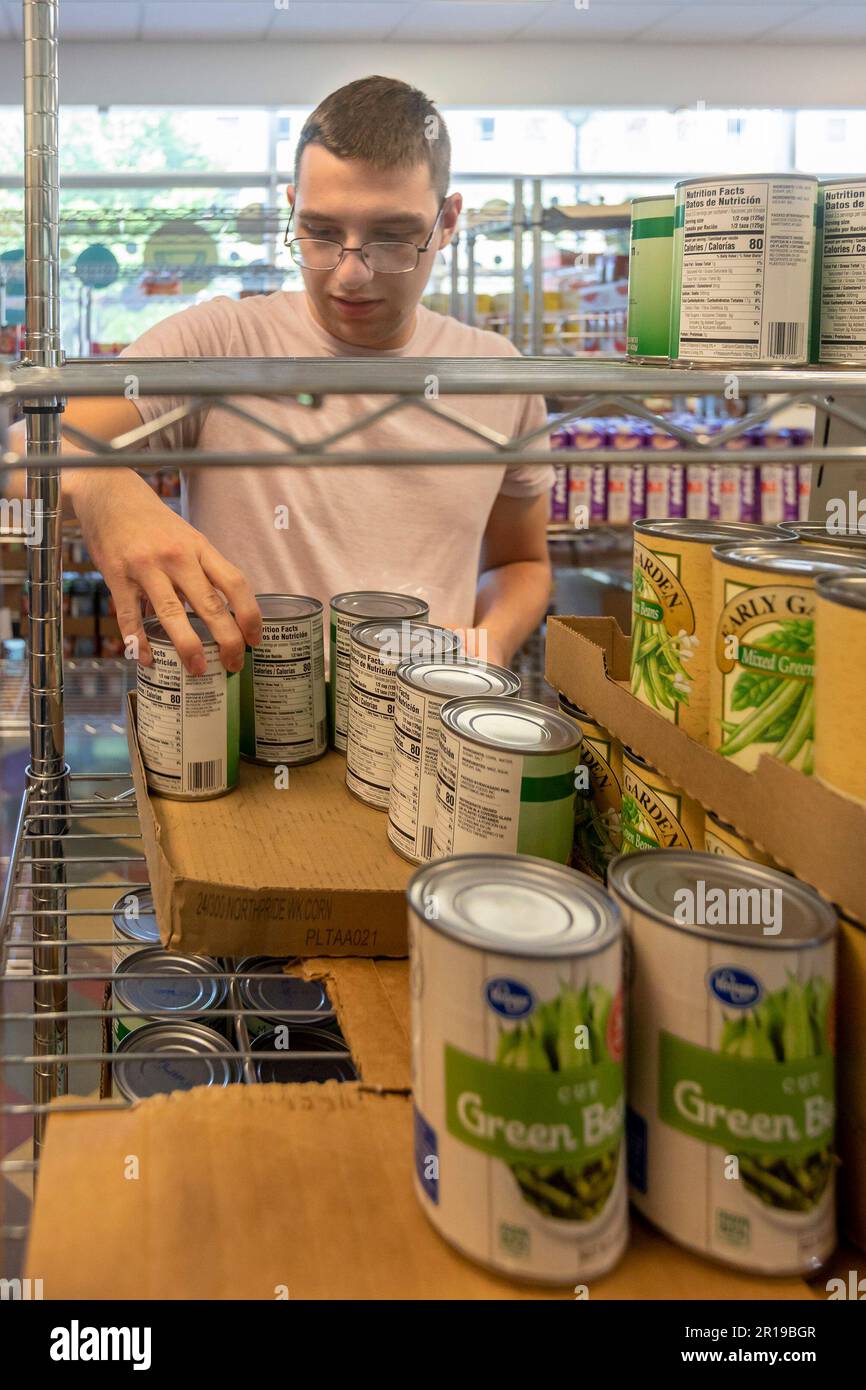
[[353, 271]]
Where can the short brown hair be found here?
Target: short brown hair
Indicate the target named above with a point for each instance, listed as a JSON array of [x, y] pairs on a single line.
[[384, 122]]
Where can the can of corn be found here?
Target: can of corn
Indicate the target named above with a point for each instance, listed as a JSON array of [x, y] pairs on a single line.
[[271, 998], [517, 1043], [505, 779], [347, 610], [840, 680], [187, 1055], [672, 615], [300, 1055], [134, 920], [153, 984], [764, 650], [655, 813], [648, 330], [188, 726], [283, 684], [422, 688], [377, 649], [732, 972], [722, 838], [742, 269], [839, 301], [597, 806]]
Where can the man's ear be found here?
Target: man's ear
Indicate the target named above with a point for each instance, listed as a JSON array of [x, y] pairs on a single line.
[[450, 216], [290, 195]]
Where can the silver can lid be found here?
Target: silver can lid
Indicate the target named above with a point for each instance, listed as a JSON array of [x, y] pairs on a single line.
[[406, 640], [276, 607], [134, 916], [672, 884], [652, 198], [195, 1056], [802, 561], [306, 1000], [745, 178], [185, 984], [816, 533], [514, 905], [374, 603], [518, 726], [155, 632], [462, 677], [710, 532], [848, 588], [329, 1066]]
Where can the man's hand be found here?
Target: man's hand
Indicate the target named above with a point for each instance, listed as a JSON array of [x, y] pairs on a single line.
[[481, 645], [515, 581], [145, 550]]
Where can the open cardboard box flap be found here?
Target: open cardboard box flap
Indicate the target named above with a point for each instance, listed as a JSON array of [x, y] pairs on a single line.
[[259, 1192], [371, 998], [306, 870], [806, 826]]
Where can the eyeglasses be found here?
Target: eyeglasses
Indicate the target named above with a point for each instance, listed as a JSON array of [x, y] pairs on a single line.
[[381, 257]]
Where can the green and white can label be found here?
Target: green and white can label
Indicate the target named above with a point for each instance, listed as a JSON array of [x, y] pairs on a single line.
[[283, 684], [505, 780], [347, 610], [517, 1050], [188, 726], [422, 688], [742, 269], [730, 1065], [648, 331], [840, 262]]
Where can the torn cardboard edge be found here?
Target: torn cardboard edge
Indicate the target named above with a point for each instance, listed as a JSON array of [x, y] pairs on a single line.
[[815, 832], [232, 920], [371, 999]]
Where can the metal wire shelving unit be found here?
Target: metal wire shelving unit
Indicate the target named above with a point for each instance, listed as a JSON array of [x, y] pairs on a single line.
[[77, 845]]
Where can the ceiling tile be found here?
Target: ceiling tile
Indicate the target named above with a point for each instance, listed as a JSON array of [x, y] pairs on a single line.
[[732, 23], [443, 21], [600, 22], [829, 24], [338, 21], [206, 20], [92, 20]]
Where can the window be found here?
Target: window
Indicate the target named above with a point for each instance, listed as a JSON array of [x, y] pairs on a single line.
[[486, 126]]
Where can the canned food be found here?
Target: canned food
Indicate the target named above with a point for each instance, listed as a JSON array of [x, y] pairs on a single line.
[[722, 838], [283, 684], [764, 651], [742, 269], [194, 1055], [135, 924], [672, 616], [649, 278], [153, 983], [273, 998], [422, 688], [377, 649], [517, 1043], [188, 726], [818, 533], [730, 1065], [840, 681], [505, 780], [347, 610], [334, 1062], [656, 814], [840, 273], [597, 810]]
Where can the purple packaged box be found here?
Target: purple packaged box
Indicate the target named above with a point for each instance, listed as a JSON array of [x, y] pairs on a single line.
[[618, 493], [677, 493], [771, 493], [562, 437], [698, 491], [590, 434], [637, 492], [580, 494], [714, 500], [790, 498], [804, 489], [598, 493], [559, 493]]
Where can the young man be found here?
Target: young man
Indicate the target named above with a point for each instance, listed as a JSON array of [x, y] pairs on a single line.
[[370, 209]]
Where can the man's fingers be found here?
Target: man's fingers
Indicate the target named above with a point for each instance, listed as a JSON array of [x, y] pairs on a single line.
[[242, 601], [211, 606], [127, 604], [174, 618]]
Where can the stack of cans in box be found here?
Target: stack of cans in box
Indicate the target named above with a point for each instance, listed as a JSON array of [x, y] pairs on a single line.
[[624, 489]]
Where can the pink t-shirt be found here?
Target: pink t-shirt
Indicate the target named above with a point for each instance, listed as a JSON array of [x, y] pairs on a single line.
[[411, 530]]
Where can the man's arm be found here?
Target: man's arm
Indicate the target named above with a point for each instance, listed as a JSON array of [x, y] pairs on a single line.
[[144, 549], [515, 580]]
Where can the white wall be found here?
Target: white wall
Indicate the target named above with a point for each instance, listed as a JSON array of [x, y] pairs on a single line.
[[457, 75]]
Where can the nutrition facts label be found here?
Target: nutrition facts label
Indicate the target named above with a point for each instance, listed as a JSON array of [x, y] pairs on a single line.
[[843, 275], [413, 785], [289, 690], [477, 798], [182, 724], [342, 625], [745, 252], [371, 728]]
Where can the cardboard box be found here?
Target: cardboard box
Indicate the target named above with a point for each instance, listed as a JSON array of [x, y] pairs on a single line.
[[371, 998], [807, 827], [306, 1190], [303, 871], [851, 1079]]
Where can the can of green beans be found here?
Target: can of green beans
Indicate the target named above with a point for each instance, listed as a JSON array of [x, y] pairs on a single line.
[[283, 684], [347, 610], [598, 804], [672, 615], [730, 1058], [648, 330], [764, 649], [656, 814], [517, 1044], [722, 838]]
